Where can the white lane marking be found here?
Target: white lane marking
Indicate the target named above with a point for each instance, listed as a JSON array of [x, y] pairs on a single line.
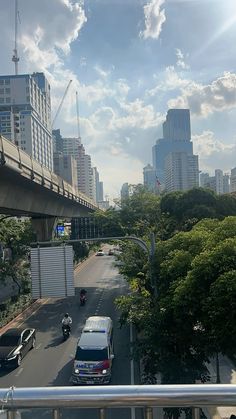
[[19, 372], [38, 346], [132, 368]]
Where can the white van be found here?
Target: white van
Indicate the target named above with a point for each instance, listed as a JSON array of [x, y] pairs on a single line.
[[94, 353]]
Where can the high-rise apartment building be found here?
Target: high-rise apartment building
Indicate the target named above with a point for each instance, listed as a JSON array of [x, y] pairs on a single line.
[[150, 179], [218, 183], [124, 192], [65, 166], [73, 147], [181, 172], [25, 115], [57, 141], [233, 180], [97, 186]]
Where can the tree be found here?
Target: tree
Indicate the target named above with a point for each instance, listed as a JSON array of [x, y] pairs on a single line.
[[16, 236]]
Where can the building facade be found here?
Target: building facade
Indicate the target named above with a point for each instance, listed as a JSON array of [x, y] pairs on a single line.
[[181, 172], [25, 115], [73, 147], [150, 179], [57, 141], [65, 166], [220, 183], [233, 180], [176, 139]]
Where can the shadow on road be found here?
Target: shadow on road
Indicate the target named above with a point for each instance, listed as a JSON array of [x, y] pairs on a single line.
[[55, 342], [63, 375]]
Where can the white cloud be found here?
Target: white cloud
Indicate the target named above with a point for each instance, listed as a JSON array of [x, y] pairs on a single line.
[[101, 72], [51, 30], [181, 60], [206, 99], [154, 19], [213, 153], [170, 80]]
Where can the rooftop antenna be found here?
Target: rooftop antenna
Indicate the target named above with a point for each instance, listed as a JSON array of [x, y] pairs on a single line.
[[15, 57], [77, 111]]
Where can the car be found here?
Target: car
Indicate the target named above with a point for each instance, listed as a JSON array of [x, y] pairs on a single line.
[[14, 345], [100, 253], [111, 252]]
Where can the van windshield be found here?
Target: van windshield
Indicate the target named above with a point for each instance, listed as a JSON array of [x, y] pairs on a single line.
[[91, 354]]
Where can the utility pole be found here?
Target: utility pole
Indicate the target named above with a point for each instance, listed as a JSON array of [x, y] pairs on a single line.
[[15, 57]]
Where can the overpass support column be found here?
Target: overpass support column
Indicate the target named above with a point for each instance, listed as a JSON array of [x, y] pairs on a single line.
[[44, 228]]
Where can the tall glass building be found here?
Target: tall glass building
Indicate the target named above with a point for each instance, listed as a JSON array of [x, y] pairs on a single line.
[[176, 139]]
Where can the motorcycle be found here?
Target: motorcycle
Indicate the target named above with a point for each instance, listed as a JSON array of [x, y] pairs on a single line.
[[82, 299], [66, 331]]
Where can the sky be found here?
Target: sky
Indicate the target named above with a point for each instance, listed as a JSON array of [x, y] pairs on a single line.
[[131, 61]]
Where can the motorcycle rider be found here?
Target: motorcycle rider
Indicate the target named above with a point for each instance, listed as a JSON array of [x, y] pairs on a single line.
[[67, 321], [83, 293]]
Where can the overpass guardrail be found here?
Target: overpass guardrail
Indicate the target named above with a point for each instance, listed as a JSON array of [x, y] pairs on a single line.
[[146, 397], [16, 159]]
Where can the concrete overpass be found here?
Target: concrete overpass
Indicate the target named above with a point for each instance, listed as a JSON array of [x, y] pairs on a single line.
[[29, 189]]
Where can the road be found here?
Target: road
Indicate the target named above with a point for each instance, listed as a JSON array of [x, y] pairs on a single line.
[[50, 363]]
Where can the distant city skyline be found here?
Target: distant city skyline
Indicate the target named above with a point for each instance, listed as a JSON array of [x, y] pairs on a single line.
[[169, 54]]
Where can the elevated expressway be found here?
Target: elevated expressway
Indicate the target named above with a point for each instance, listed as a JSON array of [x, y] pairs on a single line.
[[29, 189]]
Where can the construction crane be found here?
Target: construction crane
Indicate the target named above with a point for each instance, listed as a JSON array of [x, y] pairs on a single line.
[[15, 57], [77, 111], [60, 106]]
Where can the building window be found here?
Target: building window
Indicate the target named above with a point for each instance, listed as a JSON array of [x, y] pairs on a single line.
[[7, 81], [1, 81], [1, 91], [1, 100], [8, 100], [8, 91]]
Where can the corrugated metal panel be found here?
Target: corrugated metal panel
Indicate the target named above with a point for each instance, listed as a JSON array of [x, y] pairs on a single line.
[[52, 272]]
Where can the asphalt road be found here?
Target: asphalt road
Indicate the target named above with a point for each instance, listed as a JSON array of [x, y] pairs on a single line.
[[50, 363]]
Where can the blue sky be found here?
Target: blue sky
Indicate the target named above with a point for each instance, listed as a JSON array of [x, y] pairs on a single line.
[[132, 60]]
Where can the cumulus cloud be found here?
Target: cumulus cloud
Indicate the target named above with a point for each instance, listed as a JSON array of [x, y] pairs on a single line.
[[213, 153], [50, 30], [154, 19], [206, 99], [170, 80]]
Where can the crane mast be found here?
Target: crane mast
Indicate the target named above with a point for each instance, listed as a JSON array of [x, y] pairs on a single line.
[[15, 57], [60, 106]]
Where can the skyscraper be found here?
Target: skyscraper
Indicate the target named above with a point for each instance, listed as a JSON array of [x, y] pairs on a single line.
[[177, 125], [150, 178], [233, 180], [181, 172], [175, 148], [73, 146], [25, 114]]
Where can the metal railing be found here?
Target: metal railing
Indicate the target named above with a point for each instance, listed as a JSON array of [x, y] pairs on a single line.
[[125, 396]]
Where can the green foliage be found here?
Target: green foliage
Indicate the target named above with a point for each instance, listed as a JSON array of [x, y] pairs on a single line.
[[12, 307], [193, 315], [16, 235]]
